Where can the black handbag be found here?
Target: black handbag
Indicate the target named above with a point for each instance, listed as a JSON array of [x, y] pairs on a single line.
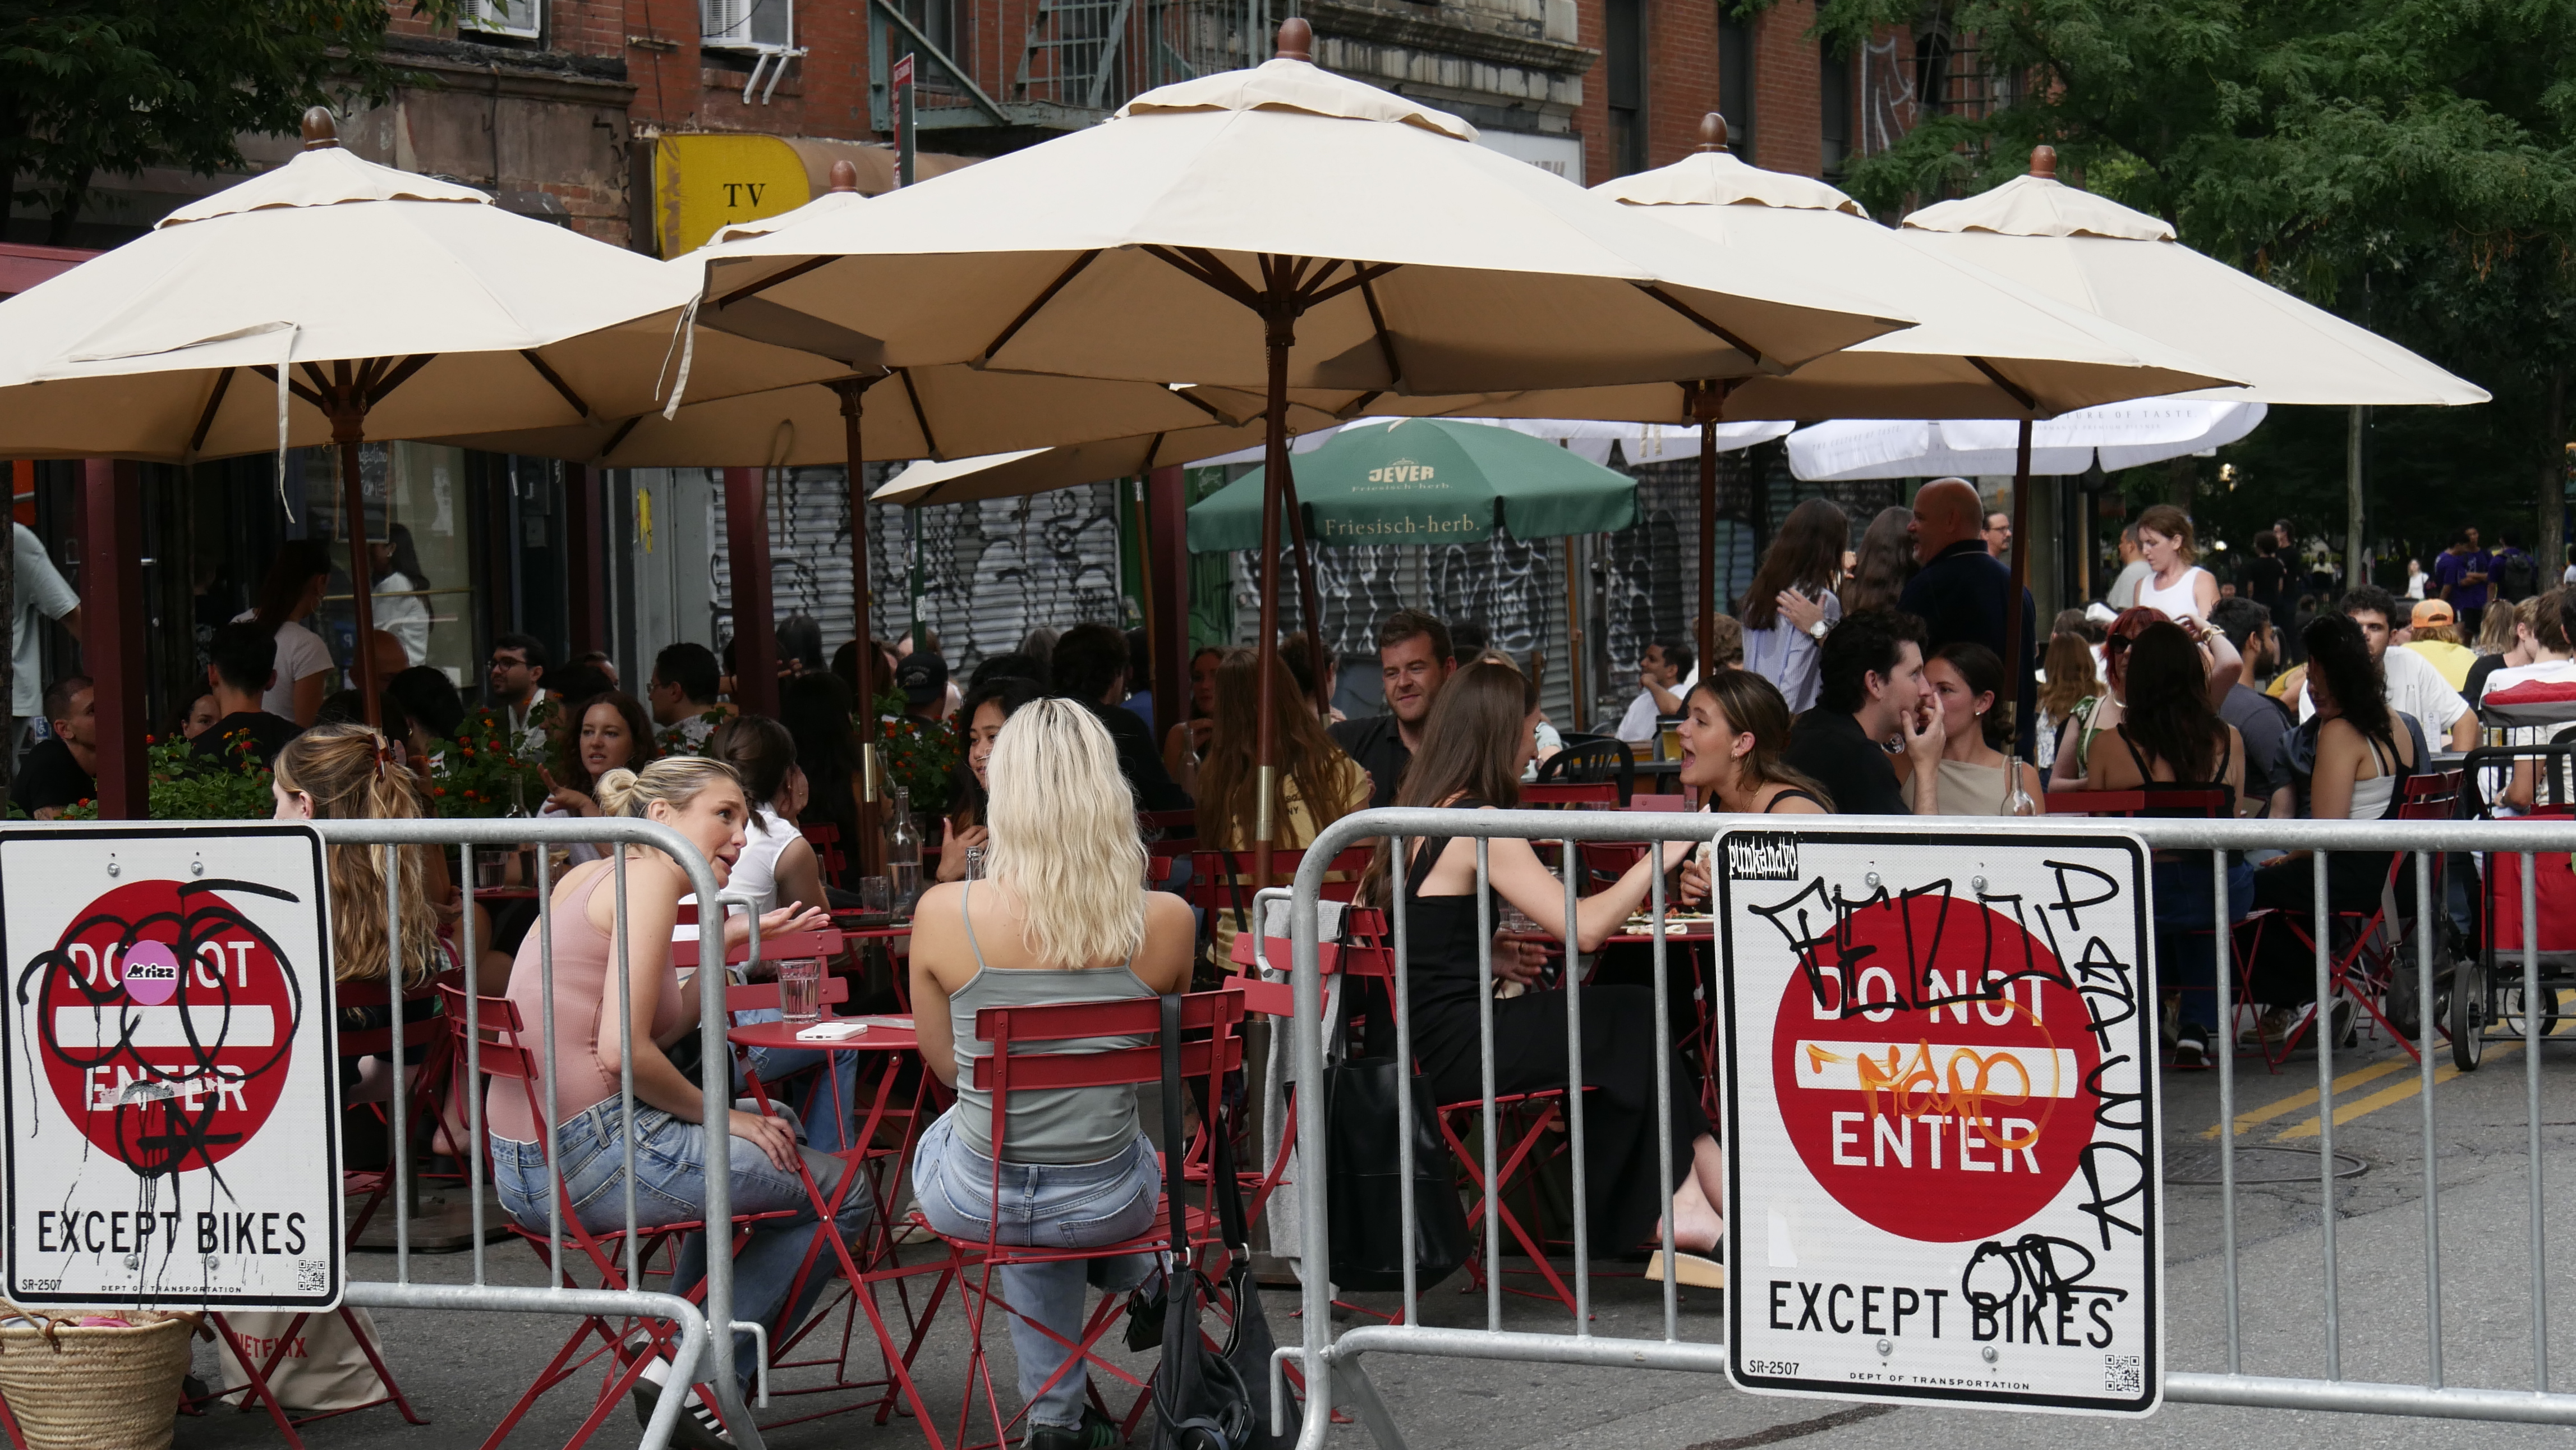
[[1365, 1186], [1210, 1399]]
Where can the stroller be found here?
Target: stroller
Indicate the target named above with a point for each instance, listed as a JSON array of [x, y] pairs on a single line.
[[2530, 772]]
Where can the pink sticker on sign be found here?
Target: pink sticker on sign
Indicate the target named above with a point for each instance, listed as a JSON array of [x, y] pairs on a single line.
[[151, 973]]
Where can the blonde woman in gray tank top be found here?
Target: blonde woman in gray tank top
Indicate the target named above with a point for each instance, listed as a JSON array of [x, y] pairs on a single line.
[[1061, 917]]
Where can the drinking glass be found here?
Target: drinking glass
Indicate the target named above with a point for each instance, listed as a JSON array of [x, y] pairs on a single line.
[[800, 991], [974, 863], [875, 896], [491, 870]]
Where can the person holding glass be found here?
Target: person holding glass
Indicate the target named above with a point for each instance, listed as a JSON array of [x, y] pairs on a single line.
[[704, 801], [963, 837]]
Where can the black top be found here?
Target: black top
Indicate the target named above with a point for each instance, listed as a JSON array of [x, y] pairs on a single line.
[[268, 734], [1153, 786], [2266, 728], [2474, 688], [1379, 747], [2266, 579], [51, 779], [1828, 748], [1960, 596]]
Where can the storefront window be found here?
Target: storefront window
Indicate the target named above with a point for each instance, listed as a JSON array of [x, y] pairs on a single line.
[[420, 556]]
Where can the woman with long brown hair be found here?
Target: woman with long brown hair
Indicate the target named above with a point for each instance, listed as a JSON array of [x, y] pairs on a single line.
[[1882, 563], [1188, 737], [1791, 602], [1318, 783], [1475, 744], [1735, 727]]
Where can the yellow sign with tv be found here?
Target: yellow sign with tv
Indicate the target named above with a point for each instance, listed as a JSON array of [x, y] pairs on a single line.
[[705, 182]]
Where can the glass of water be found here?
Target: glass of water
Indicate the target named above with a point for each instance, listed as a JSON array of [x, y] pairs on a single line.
[[974, 863], [800, 991], [875, 895]]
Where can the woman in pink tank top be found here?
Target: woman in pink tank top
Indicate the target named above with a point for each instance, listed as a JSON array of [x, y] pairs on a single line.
[[703, 800]]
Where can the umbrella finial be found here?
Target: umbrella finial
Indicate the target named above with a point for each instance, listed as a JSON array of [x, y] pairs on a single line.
[[321, 133], [2043, 162], [1296, 39], [845, 177], [1712, 132]]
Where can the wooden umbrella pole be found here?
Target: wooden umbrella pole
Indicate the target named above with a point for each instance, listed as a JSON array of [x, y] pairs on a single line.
[[1308, 609], [1279, 318], [348, 428], [1707, 401], [870, 846], [2014, 674]]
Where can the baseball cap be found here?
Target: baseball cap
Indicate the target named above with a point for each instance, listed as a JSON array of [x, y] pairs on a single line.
[[923, 677], [2432, 611]]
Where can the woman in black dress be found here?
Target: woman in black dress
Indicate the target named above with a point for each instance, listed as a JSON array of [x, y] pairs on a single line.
[[1474, 745]]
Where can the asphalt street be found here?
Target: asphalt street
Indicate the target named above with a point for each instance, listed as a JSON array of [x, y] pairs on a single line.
[[463, 1370]]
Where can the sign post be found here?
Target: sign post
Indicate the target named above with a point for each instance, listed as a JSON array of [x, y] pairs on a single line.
[[172, 1082], [1941, 1118], [903, 116]]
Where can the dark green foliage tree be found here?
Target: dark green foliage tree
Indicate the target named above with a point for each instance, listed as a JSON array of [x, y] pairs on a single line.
[[92, 88]]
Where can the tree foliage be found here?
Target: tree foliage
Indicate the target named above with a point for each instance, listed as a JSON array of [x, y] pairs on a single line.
[[92, 88], [2410, 164]]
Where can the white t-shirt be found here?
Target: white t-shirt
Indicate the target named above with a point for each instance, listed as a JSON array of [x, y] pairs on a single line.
[[41, 591], [2417, 688], [2178, 599], [406, 619], [1637, 727], [300, 656], [2547, 672]]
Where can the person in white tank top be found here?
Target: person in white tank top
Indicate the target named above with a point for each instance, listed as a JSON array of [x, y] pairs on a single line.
[[2177, 586]]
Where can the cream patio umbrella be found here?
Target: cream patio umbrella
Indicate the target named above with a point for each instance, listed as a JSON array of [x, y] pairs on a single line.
[[336, 300], [1986, 346], [1279, 227], [2126, 266]]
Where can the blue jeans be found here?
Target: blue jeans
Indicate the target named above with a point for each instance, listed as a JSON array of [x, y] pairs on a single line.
[[1044, 1205], [671, 1185], [2187, 939]]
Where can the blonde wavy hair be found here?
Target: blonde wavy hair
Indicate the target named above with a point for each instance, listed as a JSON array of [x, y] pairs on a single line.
[[675, 780], [350, 773], [1064, 835]]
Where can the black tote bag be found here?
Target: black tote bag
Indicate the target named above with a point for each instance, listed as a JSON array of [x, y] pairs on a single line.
[[1365, 1187]]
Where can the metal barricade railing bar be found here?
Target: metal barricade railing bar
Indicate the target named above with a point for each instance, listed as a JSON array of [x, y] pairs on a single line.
[[1331, 1361], [699, 1335]]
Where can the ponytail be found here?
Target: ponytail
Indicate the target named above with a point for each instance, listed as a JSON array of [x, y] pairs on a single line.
[[350, 774]]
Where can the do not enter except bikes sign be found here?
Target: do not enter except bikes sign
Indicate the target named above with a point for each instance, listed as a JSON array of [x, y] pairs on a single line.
[[1941, 1122], [172, 1086]]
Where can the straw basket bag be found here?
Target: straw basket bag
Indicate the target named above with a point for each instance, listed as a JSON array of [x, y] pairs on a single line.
[[73, 1386]]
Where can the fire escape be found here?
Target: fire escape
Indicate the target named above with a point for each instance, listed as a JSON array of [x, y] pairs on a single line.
[[1075, 61]]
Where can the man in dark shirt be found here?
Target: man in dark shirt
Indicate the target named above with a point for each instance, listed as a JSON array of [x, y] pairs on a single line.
[[1959, 593], [1414, 659], [2259, 718], [1090, 666], [63, 770], [1870, 686], [245, 660]]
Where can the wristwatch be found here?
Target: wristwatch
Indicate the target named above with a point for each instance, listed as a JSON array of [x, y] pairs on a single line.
[[1819, 629]]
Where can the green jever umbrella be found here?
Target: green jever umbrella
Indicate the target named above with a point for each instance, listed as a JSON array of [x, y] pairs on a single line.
[[1427, 481]]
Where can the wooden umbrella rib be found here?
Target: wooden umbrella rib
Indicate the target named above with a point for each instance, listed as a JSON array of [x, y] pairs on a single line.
[[398, 376], [920, 415], [754, 289], [1152, 451], [1203, 266], [1202, 404], [1385, 343], [553, 379], [292, 386], [1685, 309], [1359, 405], [206, 419], [619, 436], [2011, 389], [1042, 299], [1360, 277]]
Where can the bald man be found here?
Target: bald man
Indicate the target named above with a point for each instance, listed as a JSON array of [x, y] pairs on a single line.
[[1959, 591]]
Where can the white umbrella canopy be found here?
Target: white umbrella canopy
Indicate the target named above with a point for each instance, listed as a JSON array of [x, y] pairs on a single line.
[[1276, 228], [2092, 253], [2118, 435], [336, 300]]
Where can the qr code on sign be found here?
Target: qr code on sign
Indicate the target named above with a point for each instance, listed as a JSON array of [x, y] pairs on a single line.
[[312, 1276], [2121, 1374]]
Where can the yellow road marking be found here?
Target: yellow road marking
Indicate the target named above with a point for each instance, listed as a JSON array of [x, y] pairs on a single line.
[[2308, 1099], [2414, 1083]]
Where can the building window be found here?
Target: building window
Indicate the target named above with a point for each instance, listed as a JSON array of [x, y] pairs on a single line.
[[1932, 61], [1624, 38], [1834, 91], [768, 26], [1735, 83], [522, 18]]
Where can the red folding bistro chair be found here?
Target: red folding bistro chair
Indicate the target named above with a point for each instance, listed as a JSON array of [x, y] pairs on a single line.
[[504, 1055], [1021, 1063]]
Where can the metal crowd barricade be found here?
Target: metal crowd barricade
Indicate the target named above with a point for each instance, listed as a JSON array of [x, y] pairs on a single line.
[[702, 1333], [1332, 1363]]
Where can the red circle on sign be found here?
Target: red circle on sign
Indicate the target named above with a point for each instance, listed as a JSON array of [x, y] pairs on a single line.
[[1934, 1118], [179, 1083]]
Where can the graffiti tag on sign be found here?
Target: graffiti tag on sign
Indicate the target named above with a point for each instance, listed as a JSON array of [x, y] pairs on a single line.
[[1940, 1118], [171, 1078]]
